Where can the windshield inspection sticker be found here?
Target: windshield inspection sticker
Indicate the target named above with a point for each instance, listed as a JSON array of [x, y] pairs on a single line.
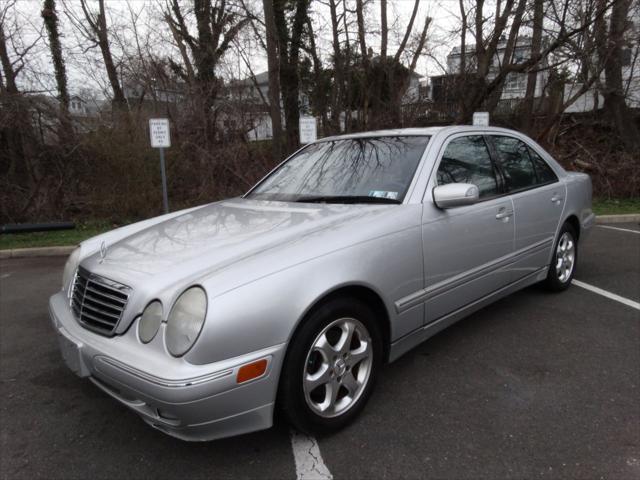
[[383, 194]]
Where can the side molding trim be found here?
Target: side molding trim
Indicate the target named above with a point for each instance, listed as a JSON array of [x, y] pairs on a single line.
[[475, 273]]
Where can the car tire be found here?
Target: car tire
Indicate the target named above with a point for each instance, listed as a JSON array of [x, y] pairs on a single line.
[[564, 260], [325, 382]]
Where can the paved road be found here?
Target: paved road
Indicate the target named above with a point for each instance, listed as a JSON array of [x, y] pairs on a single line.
[[536, 385]]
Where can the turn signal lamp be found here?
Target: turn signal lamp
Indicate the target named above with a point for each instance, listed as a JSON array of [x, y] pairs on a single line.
[[251, 371]]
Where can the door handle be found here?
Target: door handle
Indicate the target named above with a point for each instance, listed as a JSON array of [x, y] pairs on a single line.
[[502, 214], [556, 198]]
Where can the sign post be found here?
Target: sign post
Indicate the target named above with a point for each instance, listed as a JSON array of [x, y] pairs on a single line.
[[161, 138], [308, 130]]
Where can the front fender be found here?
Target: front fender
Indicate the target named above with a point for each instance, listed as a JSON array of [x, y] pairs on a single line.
[[266, 311]]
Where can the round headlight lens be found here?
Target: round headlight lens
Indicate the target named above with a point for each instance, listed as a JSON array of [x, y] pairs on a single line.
[[185, 320], [70, 268], [150, 321]]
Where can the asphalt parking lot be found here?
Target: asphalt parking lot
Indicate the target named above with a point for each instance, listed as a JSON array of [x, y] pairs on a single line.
[[537, 385]]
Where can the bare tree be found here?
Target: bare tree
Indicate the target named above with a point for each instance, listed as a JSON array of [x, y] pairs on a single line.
[[290, 30], [610, 46], [97, 32], [483, 87], [273, 60], [384, 29], [50, 17], [380, 82], [14, 47], [337, 92], [532, 75], [218, 23], [10, 74], [19, 173]]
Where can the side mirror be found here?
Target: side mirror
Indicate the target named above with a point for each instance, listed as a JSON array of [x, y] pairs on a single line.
[[455, 195]]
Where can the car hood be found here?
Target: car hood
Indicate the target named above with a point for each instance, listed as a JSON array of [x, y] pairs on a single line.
[[206, 239]]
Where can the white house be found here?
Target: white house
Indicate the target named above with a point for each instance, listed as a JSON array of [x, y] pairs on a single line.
[[516, 83]]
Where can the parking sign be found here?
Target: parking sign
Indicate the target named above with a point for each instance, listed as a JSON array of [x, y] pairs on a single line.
[[308, 130], [159, 132]]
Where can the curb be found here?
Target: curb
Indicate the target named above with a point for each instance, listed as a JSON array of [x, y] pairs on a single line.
[[626, 218], [37, 252], [66, 250]]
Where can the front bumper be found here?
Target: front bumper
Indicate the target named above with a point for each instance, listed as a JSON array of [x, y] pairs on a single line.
[[190, 402]]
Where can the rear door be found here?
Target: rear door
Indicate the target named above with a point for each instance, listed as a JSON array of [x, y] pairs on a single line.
[[467, 249], [538, 200]]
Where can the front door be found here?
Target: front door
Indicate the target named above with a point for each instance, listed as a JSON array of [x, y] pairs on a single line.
[[467, 249]]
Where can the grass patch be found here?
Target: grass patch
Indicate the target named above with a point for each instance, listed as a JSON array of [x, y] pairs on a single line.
[[616, 207], [55, 238]]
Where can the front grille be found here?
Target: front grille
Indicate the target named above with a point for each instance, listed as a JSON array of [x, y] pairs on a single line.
[[97, 302]]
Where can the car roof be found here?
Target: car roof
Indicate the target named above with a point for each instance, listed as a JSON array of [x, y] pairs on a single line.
[[417, 131]]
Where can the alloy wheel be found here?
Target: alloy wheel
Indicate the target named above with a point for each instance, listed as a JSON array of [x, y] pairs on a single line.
[[565, 257], [338, 367]]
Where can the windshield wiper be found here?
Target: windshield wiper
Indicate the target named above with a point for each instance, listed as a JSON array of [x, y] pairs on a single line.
[[346, 199]]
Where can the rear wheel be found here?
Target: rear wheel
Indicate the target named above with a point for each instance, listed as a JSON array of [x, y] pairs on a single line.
[[331, 366], [563, 263]]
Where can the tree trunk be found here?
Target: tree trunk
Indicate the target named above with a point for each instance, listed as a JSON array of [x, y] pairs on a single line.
[[348, 88], [384, 30], [463, 40], [98, 26], [614, 95], [51, 23], [289, 44], [119, 100], [204, 54], [9, 74], [364, 87], [337, 93], [532, 76], [274, 80]]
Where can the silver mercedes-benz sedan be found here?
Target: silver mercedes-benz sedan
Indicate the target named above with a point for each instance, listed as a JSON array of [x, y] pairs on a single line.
[[348, 254]]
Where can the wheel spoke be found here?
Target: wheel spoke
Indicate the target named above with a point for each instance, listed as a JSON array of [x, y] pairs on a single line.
[[350, 383], [324, 347], [315, 380], [356, 356], [344, 343], [331, 395]]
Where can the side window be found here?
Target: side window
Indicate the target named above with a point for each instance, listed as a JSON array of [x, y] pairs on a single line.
[[467, 160], [516, 163], [543, 170]]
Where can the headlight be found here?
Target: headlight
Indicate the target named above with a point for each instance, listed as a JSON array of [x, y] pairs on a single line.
[[70, 268], [150, 321], [185, 320]]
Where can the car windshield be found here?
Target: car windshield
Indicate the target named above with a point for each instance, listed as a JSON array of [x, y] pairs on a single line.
[[357, 170]]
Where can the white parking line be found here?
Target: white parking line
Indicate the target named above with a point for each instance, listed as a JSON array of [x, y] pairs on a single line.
[[620, 229], [309, 463], [604, 293]]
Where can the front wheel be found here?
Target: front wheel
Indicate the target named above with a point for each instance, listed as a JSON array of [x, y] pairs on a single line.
[[563, 263], [331, 366]]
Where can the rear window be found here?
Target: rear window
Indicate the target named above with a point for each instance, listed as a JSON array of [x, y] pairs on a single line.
[[543, 171], [516, 163]]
